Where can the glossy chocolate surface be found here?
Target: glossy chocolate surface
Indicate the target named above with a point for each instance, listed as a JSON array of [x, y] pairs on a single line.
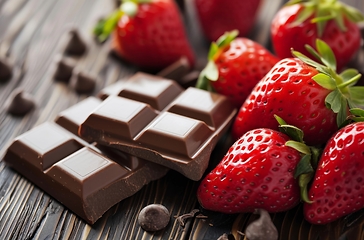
[[87, 178], [153, 118]]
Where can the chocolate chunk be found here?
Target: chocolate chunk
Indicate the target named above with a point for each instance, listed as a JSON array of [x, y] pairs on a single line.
[[20, 103], [5, 70], [176, 71], [190, 79], [154, 217], [85, 178], [76, 45], [74, 116], [262, 228], [187, 123], [83, 83], [64, 69]]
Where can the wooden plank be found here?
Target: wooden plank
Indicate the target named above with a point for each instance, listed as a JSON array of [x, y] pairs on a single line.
[[26, 212]]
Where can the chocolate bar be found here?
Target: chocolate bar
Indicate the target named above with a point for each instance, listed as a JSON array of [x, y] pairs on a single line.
[[85, 177], [155, 119]]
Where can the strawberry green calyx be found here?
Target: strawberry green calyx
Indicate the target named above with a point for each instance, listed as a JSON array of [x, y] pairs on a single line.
[[325, 10], [356, 115], [344, 94], [210, 72], [106, 26], [310, 155]]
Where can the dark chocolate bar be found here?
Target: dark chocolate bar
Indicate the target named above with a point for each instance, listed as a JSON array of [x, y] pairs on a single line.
[[153, 118], [86, 178]]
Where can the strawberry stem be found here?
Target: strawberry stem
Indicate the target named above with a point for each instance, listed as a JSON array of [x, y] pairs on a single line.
[[343, 93], [310, 156], [210, 72], [325, 10], [106, 26]]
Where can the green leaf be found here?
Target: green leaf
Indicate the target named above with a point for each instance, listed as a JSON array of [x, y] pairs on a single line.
[[213, 50], [304, 166], [299, 146], [348, 74], [280, 120], [202, 82], [226, 38], [357, 112], [339, 19], [303, 16], [316, 155], [327, 55], [303, 181], [342, 114], [106, 26], [325, 81], [306, 59], [357, 94], [211, 71], [352, 13], [334, 100]]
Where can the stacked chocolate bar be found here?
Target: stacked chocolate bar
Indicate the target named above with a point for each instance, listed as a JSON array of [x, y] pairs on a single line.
[[103, 150]]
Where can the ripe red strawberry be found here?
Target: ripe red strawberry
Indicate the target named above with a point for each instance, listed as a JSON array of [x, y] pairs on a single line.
[[302, 22], [256, 172], [219, 16], [148, 33], [338, 185], [308, 95], [235, 66]]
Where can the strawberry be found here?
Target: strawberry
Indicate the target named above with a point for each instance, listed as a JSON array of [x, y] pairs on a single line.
[[337, 188], [302, 22], [219, 16], [147, 33], [307, 94], [256, 172], [235, 66]]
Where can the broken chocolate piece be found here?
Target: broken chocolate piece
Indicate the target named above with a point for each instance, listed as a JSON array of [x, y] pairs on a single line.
[[187, 124], [177, 70], [86, 178], [20, 103], [64, 69], [75, 115], [5, 70], [154, 217], [190, 79], [262, 228], [83, 83], [76, 45]]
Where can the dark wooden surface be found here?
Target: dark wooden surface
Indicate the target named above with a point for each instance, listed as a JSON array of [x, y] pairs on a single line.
[[33, 34]]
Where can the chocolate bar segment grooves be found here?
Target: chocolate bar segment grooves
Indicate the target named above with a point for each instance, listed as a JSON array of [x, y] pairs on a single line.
[[158, 121], [86, 178]]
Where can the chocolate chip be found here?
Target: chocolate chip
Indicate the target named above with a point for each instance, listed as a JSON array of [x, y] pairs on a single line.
[[154, 217], [19, 103], [64, 69], [262, 228], [83, 83], [76, 45], [5, 70]]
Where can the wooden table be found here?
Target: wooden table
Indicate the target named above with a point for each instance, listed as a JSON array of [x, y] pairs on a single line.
[[33, 33]]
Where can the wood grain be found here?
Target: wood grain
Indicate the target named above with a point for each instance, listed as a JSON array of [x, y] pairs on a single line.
[[33, 34]]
